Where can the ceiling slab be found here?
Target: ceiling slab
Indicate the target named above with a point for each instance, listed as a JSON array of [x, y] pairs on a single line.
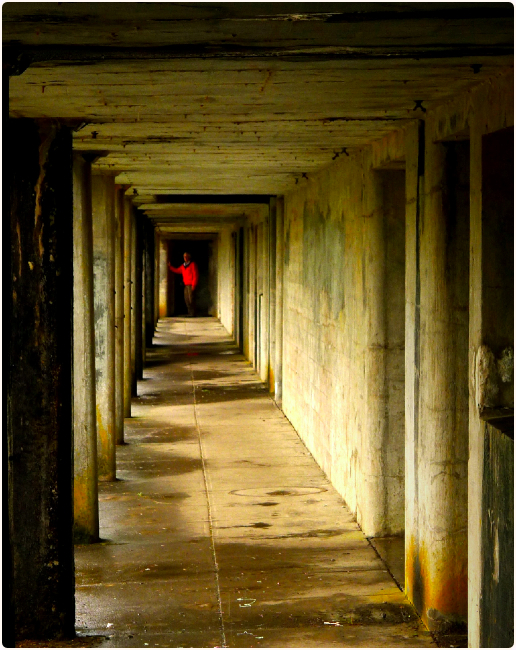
[[251, 98]]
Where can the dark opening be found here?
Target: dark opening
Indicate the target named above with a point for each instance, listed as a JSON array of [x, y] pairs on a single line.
[[201, 252]]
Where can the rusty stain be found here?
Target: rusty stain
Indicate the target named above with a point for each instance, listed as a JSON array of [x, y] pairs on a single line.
[[440, 596], [80, 497], [271, 379], [104, 434]]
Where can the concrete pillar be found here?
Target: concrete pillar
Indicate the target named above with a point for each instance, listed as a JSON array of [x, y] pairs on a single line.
[[139, 341], [437, 421], [86, 510], [149, 284], [39, 396], [280, 253], [119, 316], [381, 510], [163, 278], [272, 293], [156, 278], [127, 306], [145, 291], [374, 439], [134, 292], [247, 348], [252, 297], [103, 205]]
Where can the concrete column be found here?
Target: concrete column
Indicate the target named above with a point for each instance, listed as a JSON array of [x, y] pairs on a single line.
[[272, 293], [372, 515], [156, 278], [134, 292], [86, 510], [145, 291], [163, 278], [414, 143], [246, 294], [103, 204], [149, 284], [436, 551], [252, 297], [139, 341], [127, 306], [280, 253], [39, 396], [119, 316]]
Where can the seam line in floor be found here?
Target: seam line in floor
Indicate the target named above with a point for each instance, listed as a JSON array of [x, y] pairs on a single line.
[[208, 502]]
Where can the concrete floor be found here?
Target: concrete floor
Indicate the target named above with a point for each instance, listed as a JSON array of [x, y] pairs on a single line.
[[221, 529]]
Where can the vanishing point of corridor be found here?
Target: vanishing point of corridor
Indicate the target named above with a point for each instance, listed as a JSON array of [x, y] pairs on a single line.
[[221, 530]]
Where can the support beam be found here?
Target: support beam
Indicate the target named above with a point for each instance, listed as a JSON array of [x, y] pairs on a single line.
[[103, 203], [119, 316], [280, 255], [39, 396], [139, 288], [145, 289], [163, 277], [272, 293], [149, 283], [437, 422], [86, 509], [127, 306], [134, 293], [156, 277]]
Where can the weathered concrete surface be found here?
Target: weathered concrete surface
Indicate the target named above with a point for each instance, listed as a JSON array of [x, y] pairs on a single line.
[[233, 110], [163, 277], [138, 286], [278, 324], [39, 431], [341, 364], [491, 312], [85, 503], [134, 291], [127, 306], [149, 250], [226, 269], [119, 316], [436, 563], [103, 208], [222, 530]]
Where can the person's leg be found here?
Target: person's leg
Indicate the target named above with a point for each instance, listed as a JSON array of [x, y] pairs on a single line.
[[189, 300], [192, 301]]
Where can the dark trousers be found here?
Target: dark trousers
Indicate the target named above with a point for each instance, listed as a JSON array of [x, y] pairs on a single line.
[[190, 299]]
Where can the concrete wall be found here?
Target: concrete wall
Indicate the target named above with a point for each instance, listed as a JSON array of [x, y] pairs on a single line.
[[342, 353], [346, 294]]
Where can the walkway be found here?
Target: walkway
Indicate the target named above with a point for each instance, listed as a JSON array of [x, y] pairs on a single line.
[[222, 530]]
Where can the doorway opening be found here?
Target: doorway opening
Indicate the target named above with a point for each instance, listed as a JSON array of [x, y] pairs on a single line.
[[202, 252]]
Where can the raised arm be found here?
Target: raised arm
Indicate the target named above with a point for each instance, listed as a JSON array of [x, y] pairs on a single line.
[[174, 270]]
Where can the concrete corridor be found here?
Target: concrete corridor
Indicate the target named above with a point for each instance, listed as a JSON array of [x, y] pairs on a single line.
[[221, 530]]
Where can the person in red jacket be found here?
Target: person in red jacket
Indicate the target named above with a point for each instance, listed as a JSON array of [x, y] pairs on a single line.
[[190, 274]]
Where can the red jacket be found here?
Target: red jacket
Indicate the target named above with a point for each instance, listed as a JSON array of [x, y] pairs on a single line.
[[190, 273]]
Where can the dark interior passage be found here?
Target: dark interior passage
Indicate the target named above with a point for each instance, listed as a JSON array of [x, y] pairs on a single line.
[[201, 252]]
